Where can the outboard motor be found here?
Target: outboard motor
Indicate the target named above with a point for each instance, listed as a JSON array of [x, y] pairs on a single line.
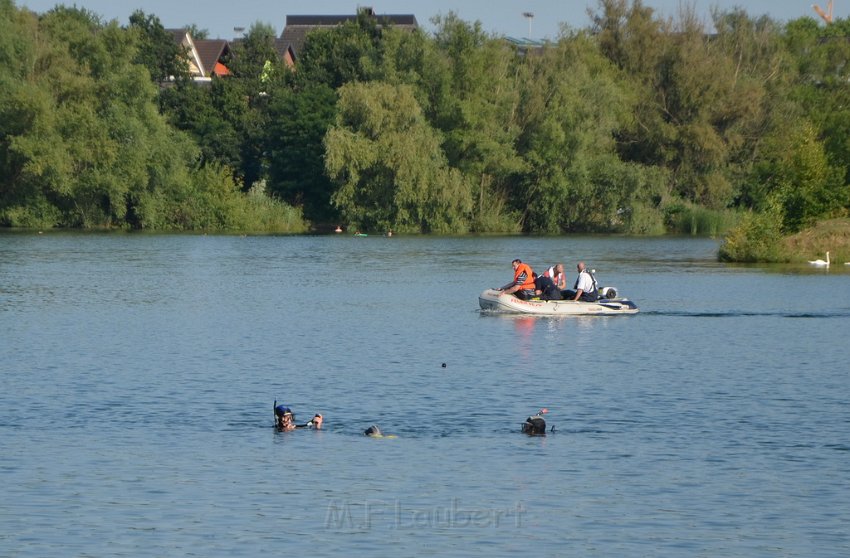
[[535, 425], [608, 292]]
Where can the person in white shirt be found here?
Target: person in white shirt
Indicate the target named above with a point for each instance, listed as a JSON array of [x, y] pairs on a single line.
[[584, 288]]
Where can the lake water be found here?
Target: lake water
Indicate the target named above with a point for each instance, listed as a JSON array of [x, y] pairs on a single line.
[[138, 373]]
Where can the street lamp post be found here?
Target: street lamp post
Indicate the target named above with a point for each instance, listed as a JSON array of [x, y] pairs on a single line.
[[529, 16]]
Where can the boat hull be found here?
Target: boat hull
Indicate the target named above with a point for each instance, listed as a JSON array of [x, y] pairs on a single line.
[[497, 301]]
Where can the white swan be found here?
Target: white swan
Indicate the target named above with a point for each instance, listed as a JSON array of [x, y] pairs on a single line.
[[821, 263]]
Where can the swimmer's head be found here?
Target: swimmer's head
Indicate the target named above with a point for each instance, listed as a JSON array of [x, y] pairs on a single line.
[[534, 426], [373, 431]]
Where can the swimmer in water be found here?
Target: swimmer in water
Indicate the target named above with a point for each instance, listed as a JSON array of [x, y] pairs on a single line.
[[535, 425], [315, 422], [284, 418], [373, 431]]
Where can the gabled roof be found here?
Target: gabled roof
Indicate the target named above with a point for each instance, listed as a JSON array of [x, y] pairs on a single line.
[[284, 50], [297, 26], [211, 51], [182, 37]]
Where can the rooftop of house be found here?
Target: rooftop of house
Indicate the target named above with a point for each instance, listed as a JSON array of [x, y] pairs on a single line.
[[210, 51], [297, 26]]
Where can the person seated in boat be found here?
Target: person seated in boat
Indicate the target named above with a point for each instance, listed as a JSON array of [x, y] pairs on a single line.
[[546, 289], [523, 284], [556, 273], [584, 288]]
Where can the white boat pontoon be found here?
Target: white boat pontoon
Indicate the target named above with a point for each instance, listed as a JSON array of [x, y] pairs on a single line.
[[497, 301]]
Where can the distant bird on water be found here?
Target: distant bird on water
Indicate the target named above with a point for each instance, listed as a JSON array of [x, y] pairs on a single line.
[[821, 263]]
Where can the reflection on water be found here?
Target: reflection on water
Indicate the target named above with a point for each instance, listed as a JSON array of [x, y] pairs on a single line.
[[138, 374]]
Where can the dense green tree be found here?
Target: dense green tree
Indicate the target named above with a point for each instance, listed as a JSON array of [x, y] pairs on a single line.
[[821, 90], [206, 113], [474, 101], [348, 52], [157, 50], [298, 122], [627, 126], [388, 164], [798, 179], [572, 105], [243, 99], [83, 144]]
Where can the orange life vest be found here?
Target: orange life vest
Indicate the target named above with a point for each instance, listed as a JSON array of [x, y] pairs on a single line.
[[529, 277]]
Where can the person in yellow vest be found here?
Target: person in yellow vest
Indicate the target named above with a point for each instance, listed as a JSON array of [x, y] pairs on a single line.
[[523, 284]]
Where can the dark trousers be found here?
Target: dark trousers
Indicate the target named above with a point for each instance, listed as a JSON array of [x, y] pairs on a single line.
[[585, 297]]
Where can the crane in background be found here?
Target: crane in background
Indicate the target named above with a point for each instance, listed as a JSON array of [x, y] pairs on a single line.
[[825, 15]]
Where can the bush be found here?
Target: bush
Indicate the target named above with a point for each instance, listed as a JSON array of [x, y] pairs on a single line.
[[757, 238], [39, 214]]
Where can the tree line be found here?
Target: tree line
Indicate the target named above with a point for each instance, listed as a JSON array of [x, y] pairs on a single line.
[[636, 124]]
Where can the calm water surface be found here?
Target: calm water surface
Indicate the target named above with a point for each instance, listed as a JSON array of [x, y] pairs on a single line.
[[137, 376]]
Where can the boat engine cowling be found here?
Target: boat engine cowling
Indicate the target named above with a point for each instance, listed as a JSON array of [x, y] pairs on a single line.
[[608, 292]]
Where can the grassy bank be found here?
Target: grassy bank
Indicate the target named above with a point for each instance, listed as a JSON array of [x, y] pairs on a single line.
[[832, 235], [758, 239]]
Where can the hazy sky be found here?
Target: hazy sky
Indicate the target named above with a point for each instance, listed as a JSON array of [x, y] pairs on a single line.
[[503, 17]]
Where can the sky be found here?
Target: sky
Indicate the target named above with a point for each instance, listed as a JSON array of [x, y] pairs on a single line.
[[502, 17]]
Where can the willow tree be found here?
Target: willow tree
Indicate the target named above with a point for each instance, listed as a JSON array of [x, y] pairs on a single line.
[[388, 164]]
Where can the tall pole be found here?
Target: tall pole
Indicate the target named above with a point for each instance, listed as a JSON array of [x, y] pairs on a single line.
[[529, 16]]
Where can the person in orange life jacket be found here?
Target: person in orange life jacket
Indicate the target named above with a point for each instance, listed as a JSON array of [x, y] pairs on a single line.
[[523, 284], [584, 288]]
